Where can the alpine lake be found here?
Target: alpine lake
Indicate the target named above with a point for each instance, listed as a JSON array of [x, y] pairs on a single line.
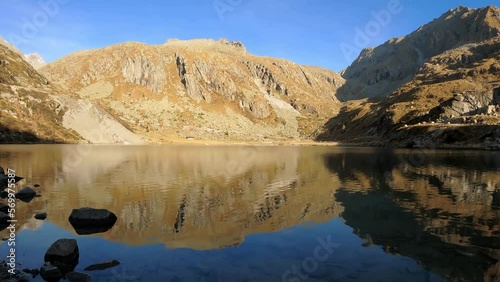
[[263, 213]]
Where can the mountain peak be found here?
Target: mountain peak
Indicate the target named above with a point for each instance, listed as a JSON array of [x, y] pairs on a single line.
[[206, 42], [378, 71], [10, 46], [35, 60]]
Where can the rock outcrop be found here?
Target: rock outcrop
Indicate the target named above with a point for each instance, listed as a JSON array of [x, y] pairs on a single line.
[[34, 110], [377, 72], [450, 100], [204, 88]]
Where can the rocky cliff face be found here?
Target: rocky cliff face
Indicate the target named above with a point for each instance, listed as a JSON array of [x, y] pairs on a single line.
[[203, 88], [34, 110], [379, 71], [450, 100], [35, 60]]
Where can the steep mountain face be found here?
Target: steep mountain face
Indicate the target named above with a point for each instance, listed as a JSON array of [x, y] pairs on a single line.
[[34, 110], [201, 88], [452, 100], [26, 113], [379, 71], [35, 60]]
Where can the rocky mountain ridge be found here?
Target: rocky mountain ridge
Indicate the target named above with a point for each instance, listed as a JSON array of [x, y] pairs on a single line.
[[441, 83], [447, 99], [33, 110], [34, 59], [379, 71], [203, 88]]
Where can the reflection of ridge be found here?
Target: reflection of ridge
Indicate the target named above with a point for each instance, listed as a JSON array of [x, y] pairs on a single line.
[[177, 196], [179, 221], [375, 216], [441, 213], [270, 204]]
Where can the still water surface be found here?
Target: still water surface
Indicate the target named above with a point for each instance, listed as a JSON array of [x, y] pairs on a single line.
[[259, 213]]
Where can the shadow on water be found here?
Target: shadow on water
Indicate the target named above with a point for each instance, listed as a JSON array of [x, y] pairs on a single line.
[[442, 211]]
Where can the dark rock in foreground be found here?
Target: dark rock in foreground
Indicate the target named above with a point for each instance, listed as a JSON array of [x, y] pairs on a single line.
[[34, 272], [50, 272], [90, 221], [4, 218], [26, 193], [8, 277], [4, 208], [41, 215], [63, 251], [4, 180], [78, 277], [102, 265]]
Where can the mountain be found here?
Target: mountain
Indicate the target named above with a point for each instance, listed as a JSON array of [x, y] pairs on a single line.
[[451, 100], [35, 60], [10, 46], [379, 71], [34, 110], [437, 87], [201, 88]]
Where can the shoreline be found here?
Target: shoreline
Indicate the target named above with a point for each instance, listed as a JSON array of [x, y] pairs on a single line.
[[303, 143]]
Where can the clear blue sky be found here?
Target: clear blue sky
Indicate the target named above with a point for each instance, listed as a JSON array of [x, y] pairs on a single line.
[[304, 31]]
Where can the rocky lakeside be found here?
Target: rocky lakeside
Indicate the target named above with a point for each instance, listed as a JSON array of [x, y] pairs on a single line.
[[62, 257]]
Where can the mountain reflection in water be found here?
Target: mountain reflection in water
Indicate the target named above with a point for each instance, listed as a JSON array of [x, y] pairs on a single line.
[[441, 209]]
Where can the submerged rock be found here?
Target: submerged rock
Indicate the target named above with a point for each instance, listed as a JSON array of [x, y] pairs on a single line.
[[4, 218], [34, 272], [4, 180], [102, 265], [78, 277], [50, 273], [4, 208]]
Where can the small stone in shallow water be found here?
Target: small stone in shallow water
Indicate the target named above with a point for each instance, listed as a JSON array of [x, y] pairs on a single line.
[[36, 185], [414, 270], [26, 193], [50, 272], [34, 272], [102, 265], [78, 277], [63, 251], [41, 215], [4, 218], [4, 208]]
